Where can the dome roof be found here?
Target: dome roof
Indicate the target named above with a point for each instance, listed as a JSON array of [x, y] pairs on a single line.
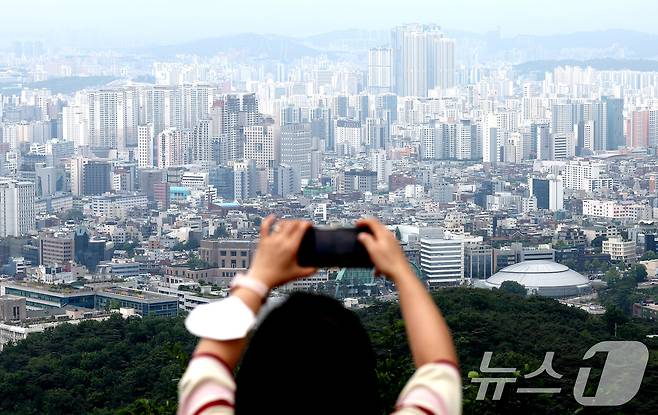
[[542, 277]]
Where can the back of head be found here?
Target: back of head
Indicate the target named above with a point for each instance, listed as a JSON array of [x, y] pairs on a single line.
[[309, 356]]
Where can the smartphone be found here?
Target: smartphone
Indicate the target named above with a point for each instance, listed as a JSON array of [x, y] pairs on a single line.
[[326, 247]]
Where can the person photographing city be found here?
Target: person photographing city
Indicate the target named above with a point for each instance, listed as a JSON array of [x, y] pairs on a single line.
[[310, 355]]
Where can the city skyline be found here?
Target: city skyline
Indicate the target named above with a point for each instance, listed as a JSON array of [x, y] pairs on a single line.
[[148, 151]]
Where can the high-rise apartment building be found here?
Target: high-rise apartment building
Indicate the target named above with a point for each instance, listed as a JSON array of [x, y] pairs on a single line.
[[380, 70], [113, 117], [145, 146], [643, 129], [423, 59], [200, 150], [172, 148], [74, 125], [17, 214]]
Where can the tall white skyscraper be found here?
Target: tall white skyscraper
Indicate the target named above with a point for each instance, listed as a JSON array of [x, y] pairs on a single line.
[[74, 125], [380, 70], [430, 146], [195, 104], [423, 59], [112, 117], [200, 144], [163, 107], [145, 146], [490, 145], [17, 216]]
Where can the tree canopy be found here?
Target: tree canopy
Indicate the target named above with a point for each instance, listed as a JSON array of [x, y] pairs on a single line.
[[513, 287], [132, 366]]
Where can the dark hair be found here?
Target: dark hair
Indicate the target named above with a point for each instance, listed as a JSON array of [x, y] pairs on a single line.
[[310, 355]]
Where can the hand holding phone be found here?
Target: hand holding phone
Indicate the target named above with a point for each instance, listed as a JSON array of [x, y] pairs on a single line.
[[334, 248]]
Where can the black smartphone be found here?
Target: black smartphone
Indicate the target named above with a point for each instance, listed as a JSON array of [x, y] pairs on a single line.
[[333, 248]]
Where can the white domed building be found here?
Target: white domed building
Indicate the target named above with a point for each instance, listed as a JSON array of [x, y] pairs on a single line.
[[545, 278]]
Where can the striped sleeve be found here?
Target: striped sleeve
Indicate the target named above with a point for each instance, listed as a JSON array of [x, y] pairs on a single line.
[[435, 389], [206, 388]]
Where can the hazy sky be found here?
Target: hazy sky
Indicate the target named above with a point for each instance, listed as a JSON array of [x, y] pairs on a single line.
[[168, 21]]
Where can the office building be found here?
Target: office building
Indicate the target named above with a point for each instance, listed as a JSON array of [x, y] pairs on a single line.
[[43, 297], [548, 192], [614, 108], [221, 178], [296, 144], [478, 261], [259, 145], [286, 181], [562, 146], [540, 140], [359, 181], [228, 253], [90, 176], [442, 261], [56, 248], [244, 179]]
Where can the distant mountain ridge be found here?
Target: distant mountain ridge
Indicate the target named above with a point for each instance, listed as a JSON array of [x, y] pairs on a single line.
[[252, 45], [617, 44]]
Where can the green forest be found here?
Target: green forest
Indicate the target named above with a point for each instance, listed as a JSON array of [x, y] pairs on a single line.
[[133, 366]]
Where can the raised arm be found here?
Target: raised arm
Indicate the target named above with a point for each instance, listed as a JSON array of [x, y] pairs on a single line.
[[275, 264], [429, 336]]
